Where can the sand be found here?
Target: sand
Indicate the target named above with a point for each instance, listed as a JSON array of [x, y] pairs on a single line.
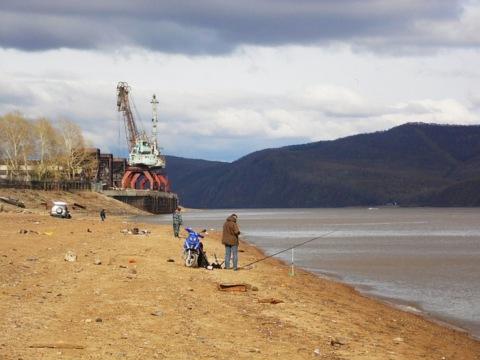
[[124, 298]]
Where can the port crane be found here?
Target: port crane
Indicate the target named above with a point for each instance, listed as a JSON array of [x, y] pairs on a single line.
[[146, 165]]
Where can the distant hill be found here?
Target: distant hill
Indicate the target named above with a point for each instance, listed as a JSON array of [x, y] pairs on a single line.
[[181, 172], [412, 164]]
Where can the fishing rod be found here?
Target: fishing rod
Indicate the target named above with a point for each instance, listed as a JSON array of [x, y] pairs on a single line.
[[290, 248]]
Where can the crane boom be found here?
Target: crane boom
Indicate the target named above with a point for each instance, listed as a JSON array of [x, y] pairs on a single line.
[[123, 105]]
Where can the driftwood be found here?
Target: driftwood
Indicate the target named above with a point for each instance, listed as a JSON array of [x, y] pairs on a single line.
[[12, 201], [233, 287], [78, 205], [59, 345]]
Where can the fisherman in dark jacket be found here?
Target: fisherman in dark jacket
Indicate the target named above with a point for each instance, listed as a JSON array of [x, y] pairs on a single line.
[[230, 240], [177, 221]]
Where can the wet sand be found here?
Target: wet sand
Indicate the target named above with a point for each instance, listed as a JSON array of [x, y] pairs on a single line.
[[137, 304]]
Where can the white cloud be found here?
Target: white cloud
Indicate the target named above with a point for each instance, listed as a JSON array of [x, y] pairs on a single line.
[[446, 111], [337, 101], [224, 107]]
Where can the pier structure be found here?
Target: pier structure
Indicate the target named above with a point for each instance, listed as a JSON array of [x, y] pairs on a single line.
[[155, 202]]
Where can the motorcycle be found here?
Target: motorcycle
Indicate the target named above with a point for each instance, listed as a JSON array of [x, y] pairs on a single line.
[[193, 249]]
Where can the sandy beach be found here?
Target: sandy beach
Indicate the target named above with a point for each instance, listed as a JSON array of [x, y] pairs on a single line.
[[130, 297]]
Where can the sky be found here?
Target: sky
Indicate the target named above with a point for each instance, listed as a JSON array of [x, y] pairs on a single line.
[[233, 77]]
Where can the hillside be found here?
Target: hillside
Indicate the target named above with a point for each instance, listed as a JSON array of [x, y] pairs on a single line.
[[183, 171], [412, 164]]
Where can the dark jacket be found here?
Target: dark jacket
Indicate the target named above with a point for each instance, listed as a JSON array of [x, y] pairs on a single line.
[[230, 231]]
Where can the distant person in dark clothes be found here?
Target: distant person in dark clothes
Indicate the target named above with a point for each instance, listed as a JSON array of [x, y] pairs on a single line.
[[103, 215], [177, 221], [230, 240]]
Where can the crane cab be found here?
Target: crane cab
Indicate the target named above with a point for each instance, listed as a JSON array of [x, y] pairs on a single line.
[[144, 154]]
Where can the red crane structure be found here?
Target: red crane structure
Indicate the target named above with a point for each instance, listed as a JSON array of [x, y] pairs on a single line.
[[146, 165]]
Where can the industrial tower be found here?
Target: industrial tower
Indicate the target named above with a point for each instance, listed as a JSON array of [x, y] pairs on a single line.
[[146, 165]]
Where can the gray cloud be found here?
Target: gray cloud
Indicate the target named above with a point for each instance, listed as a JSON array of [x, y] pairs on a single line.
[[12, 96], [215, 27]]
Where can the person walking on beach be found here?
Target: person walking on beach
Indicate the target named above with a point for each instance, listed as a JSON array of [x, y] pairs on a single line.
[[103, 215], [177, 221], [230, 240]]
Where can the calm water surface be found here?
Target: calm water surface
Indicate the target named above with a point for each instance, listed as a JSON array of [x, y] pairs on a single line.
[[423, 259]]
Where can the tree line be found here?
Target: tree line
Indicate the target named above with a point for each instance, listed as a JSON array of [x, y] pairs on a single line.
[[39, 149]]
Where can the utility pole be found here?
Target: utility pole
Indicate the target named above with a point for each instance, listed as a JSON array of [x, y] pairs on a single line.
[[154, 103]]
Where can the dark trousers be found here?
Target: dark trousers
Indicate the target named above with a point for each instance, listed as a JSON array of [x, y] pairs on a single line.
[[176, 229]]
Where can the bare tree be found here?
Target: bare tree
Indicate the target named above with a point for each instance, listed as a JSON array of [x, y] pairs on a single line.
[[17, 142], [59, 152], [74, 157], [47, 148]]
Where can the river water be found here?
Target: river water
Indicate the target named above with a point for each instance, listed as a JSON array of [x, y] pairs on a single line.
[[422, 259]]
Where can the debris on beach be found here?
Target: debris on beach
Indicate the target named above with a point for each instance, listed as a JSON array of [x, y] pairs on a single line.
[[24, 231], [70, 256], [270, 301], [12, 201], [79, 206], [57, 345], [132, 273], [156, 313], [337, 341], [135, 231], [233, 287]]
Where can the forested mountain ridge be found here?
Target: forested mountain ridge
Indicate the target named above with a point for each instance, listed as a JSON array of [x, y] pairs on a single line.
[[411, 164]]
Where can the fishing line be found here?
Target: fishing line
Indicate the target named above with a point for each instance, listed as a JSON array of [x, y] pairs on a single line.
[[290, 248]]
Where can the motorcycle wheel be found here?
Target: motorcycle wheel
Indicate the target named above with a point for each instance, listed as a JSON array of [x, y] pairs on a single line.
[[191, 259]]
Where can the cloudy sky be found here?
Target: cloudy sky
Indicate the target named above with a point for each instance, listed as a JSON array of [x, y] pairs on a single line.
[[233, 77]]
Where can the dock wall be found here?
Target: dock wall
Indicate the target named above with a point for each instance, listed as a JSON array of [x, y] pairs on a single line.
[[155, 202]]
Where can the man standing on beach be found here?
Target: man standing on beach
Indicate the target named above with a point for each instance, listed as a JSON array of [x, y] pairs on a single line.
[[230, 240], [177, 221], [103, 215]]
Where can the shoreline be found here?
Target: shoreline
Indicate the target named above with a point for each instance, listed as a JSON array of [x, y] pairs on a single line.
[[396, 303], [124, 298], [408, 306]]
